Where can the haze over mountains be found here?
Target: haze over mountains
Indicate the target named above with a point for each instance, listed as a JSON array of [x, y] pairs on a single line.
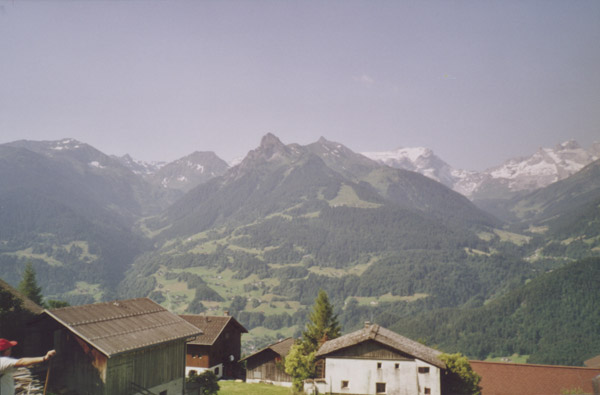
[[262, 237]]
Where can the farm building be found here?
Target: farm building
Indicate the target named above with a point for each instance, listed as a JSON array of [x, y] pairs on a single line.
[[500, 378], [266, 365], [375, 360], [17, 309], [218, 348], [122, 347]]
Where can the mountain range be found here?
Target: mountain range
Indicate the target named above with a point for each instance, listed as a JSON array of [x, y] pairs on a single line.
[[386, 241], [526, 174]]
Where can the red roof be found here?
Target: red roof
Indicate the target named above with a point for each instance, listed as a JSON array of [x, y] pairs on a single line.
[[498, 378]]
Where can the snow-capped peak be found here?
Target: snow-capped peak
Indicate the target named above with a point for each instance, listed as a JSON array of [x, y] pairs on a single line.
[[544, 167], [65, 144]]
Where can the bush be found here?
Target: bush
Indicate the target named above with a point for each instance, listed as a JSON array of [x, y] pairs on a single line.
[[207, 380]]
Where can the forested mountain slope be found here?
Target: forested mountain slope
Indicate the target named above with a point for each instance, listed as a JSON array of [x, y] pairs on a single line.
[[553, 319], [73, 222]]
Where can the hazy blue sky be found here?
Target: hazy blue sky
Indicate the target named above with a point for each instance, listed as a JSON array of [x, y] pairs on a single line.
[[476, 81]]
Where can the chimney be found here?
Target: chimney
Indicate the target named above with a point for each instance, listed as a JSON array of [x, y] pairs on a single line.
[[367, 324], [226, 313]]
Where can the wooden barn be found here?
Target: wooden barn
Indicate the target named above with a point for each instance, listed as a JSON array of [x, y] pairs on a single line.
[[122, 347], [219, 347], [266, 365]]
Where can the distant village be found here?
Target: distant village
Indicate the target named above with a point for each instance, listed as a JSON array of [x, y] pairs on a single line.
[[136, 346]]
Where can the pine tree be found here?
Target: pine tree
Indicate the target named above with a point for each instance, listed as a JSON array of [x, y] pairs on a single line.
[[29, 287], [323, 324]]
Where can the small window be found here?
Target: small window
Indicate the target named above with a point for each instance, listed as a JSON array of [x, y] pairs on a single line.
[[378, 365], [345, 384], [427, 391], [216, 371], [397, 366], [380, 388], [423, 369]]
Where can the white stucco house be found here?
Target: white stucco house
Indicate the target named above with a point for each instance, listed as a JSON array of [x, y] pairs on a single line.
[[375, 360]]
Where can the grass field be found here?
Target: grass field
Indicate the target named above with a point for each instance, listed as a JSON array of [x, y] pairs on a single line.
[[233, 388], [515, 358]]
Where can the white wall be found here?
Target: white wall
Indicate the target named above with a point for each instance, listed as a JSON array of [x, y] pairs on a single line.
[[400, 377], [202, 370], [277, 383]]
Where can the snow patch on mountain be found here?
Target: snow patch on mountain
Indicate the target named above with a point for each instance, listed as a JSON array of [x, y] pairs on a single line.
[[541, 169], [96, 164], [65, 144]]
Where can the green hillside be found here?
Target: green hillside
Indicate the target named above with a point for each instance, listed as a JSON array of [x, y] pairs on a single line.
[[553, 319]]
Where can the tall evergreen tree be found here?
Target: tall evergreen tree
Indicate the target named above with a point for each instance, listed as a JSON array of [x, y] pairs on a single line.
[[323, 324], [29, 287]]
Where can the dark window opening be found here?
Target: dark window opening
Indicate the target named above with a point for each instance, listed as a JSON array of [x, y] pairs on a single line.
[[423, 369], [397, 366], [380, 388], [345, 383], [378, 365], [427, 391]]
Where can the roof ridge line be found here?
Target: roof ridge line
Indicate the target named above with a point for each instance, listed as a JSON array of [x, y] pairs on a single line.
[[133, 330], [117, 316]]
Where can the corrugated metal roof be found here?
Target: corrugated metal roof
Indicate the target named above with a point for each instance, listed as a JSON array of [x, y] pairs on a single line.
[[386, 337], [211, 326], [124, 325]]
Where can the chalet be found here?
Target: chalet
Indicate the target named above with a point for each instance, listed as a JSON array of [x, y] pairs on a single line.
[[375, 360], [265, 366], [121, 347], [218, 348], [501, 378]]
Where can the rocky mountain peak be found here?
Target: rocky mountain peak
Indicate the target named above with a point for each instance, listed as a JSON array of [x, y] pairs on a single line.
[[270, 148]]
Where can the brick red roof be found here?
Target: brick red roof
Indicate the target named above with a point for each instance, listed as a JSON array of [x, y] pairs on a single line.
[[211, 326], [498, 378]]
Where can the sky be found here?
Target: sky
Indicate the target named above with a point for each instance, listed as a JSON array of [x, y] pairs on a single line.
[[478, 82]]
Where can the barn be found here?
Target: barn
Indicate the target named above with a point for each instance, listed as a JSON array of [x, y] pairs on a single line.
[[266, 365], [122, 347]]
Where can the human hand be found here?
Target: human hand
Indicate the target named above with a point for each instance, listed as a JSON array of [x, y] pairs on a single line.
[[49, 354]]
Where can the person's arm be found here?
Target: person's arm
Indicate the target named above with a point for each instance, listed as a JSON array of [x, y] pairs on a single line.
[[25, 362]]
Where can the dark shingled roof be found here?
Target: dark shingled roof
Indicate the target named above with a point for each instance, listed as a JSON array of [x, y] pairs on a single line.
[[385, 337], [500, 378], [125, 325], [282, 348], [211, 327]]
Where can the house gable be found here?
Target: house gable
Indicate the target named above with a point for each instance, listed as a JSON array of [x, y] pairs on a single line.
[[371, 349], [219, 346]]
